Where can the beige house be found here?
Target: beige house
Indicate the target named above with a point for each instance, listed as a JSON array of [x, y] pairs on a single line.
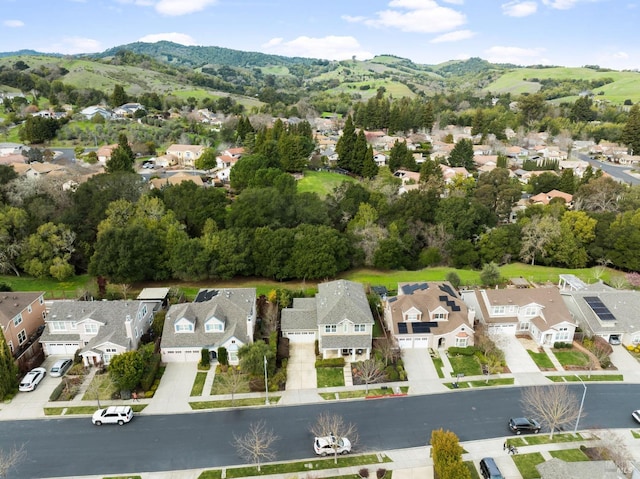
[[428, 315], [21, 319], [186, 155], [537, 312]]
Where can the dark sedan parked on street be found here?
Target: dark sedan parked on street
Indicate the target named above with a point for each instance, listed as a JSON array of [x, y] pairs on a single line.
[[524, 424]]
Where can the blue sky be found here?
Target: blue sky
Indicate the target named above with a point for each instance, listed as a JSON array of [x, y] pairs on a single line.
[[525, 32]]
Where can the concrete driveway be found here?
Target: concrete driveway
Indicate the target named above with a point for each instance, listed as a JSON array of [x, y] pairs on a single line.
[[422, 374], [301, 370]]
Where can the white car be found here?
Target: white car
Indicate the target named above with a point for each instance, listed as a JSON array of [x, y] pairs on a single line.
[[119, 415], [323, 446], [60, 367], [32, 379]]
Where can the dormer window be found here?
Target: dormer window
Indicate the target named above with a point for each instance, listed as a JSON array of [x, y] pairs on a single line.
[[439, 316], [530, 311], [497, 310], [214, 325], [184, 327], [91, 328], [412, 315]]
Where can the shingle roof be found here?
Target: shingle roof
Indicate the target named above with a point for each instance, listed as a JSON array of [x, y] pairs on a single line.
[[12, 303], [338, 300]]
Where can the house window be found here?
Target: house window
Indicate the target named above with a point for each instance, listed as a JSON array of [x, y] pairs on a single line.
[[497, 310], [412, 316], [330, 328], [11, 346], [461, 342], [44, 315], [438, 316], [562, 334], [359, 328], [211, 327], [17, 320], [22, 336], [345, 327], [41, 299], [136, 331], [530, 311], [524, 326], [108, 354], [184, 328], [59, 326], [233, 356], [91, 328], [635, 339], [29, 309]]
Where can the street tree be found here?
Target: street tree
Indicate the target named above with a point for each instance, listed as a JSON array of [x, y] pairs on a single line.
[[257, 445], [554, 406], [10, 459], [370, 371], [334, 426], [232, 382]]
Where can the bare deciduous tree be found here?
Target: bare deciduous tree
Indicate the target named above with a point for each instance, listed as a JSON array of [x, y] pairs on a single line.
[[371, 371], [233, 382], [612, 446], [554, 406], [256, 446], [537, 235], [388, 349], [10, 459], [125, 288], [334, 425]]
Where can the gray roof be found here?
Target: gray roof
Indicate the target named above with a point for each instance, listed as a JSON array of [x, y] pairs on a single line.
[[112, 315], [558, 469], [346, 341], [342, 299], [232, 305], [623, 304]]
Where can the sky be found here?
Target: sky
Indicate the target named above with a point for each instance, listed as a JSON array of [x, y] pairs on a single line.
[[524, 32]]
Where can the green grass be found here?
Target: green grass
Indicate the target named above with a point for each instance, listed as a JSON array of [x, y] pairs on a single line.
[[53, 411], [467, 365], [472, 469], [526, 464], [330, 377], [215, 474], [635, 434], [361, 393], [480, 384], [53, 289], [81, 410], [571, 358], [197, 405], [198, 384], [218, 388], [101, 386], [532, 440], [541, 359], [305, 466], [586, 378], [437, 362], [122, 477], [321, 182], [570, 455]]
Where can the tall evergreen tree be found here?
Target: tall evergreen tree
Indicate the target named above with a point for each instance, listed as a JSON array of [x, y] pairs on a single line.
[[346, 145], [119, 96], [122, 157], [462, 154], [359, 153], [369, 167], [631, 131], [8, 370]]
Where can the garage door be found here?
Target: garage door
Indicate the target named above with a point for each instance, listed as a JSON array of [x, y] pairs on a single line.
[[301, 336], [421, 343], [405, 343], [502, 328], [61, 349], [181, 355]]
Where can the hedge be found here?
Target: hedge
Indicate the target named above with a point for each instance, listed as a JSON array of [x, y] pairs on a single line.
[[330, 363], [468, 351], [55, 394], [150, 374]]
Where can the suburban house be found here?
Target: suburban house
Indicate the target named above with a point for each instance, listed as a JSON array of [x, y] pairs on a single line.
[[104, 152], [91, 111], [604, 311], [537, 312], [428, 315], [545, 198], [338, 317], [186, 155], [128, 109], [159, 183], [22, 320], [98, 329], [216, 318]]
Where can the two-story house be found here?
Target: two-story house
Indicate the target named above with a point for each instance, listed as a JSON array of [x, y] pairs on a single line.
[[186, 155], [537, 312], [338, 317], [428, 315], [216, 318], [21, 319], [97, 329]]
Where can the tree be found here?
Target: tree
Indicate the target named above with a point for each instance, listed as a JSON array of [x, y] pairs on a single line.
[[631, 131], [446, 453], [257, 445], [48, 252], [10, 459], [387, 348], [490, 274], [345, 146], [370, 371], [537, 234], [37, 129], [232, 381], [252, 357], [453, 278], [122, 157], [553, 406], [334, 425], [126, 370], [369, 166], [119, 96], [462, 154], [207, 160], [8, 371]]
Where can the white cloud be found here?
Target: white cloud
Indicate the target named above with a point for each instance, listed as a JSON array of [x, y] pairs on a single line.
[[13, 23], [455, 2], [454, 36], [621, 55], [73, 45], [421, 16], [517, 55], [330, 48], [173, 8], [519, 9], [181, 38], [560, 4]]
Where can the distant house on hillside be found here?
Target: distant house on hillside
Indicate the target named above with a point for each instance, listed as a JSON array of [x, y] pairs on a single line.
[[91, 111], [186, 155]]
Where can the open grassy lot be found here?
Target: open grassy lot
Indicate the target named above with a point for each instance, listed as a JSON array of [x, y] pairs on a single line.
[[330, 377], [527, 463], [321, 182], [541, 359]]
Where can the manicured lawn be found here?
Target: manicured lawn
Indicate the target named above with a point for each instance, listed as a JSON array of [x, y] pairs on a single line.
[[472, 469], [570, 455], [467, 365], [101, 386], [198, 384], [527, 463], [330, 377], [541, 359], [437, 362], [53, 411], [531, 440], [587, 378], [480, 384], [53, 289], [218, 388], [196, 405], [72, 410], [360, 393], [572, 358]]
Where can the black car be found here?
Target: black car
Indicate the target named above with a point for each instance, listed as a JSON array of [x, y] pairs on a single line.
[[524, 424]]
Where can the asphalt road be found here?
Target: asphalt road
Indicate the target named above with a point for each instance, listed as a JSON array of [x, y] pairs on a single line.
[[617, 171], [71, 447]]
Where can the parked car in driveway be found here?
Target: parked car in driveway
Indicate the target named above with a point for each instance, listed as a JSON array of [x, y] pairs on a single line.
[[323, 446], [112, 415], [32, 379], [60, 367], [524, 424]]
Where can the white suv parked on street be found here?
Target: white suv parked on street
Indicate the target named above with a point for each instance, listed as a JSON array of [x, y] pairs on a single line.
[[112, 415]]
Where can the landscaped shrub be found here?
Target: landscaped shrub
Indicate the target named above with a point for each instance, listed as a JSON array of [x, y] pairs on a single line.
[[381, 472], [561, 345], [76, 370], [204, 358], [283, 349], [391, 373], [364, 472], [55, 394], [223, 356], [468, 351], [256, 384], [330, 363], [151, 371]]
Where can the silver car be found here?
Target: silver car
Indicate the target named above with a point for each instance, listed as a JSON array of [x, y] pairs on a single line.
[[60, 367]]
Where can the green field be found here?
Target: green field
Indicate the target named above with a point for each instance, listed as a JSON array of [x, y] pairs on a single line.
[[321, 182]]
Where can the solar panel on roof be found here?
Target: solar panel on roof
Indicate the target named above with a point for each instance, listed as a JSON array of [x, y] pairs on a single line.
[[392, 299], [402, 328], [443, 298], [455, 307], [420, 328], [599, 308], [447, 289]]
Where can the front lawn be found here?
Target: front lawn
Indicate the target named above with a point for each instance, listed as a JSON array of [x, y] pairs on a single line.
[[330, 377], [480, 384], [197, 405], [587, 378], [437, 362], [570, 455], [467, 365], [531, 440], [472, 469], [101, 387], [198, 384], [541, 359], [361, 393], [571, 358], [218, 387], [526, 464]]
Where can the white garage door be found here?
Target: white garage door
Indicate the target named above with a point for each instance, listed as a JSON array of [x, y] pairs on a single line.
[[301, 336], [421, 343], [61, 349], [180, 355], [405, 343], [502, 328]]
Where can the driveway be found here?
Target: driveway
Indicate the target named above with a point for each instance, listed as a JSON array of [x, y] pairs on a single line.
[[524, 369], [625, 363], [301, 370], [422, 374], [173, 394]]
